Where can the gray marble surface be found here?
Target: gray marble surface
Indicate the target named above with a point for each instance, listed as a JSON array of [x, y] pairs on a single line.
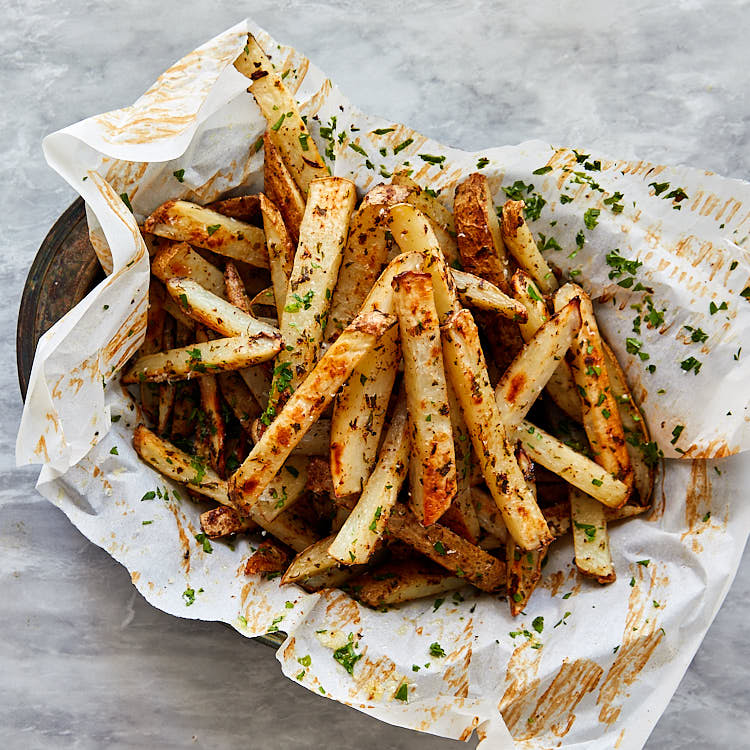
[[86, 662]]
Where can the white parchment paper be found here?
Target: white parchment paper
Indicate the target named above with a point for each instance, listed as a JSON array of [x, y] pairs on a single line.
[[607, 660]]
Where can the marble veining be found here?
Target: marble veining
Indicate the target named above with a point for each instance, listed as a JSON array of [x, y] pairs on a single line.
[[86, 662]]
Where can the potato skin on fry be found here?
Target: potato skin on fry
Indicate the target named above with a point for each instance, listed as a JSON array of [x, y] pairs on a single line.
[[223, 521]]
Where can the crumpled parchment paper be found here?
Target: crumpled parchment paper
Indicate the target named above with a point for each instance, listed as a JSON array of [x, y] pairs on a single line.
[[601, 666]]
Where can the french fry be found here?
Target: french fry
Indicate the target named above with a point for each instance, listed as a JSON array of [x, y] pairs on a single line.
[[359, 414], [180, 260], [319, 476], [461, 516], [315, 442], [311, 561], [202, 227], [524, 569], [235, 288], [239, 399], [433, 462], [153, 243], [322, 238], [467, 372], [287, 487], [305, 406], [216, 313], [289, 528], [637, 436], [478, 232], [402, 581], [175, 311], [482, 295], [365, 254], [523, 381], [211, 425], [355, 542], [561, 386], [601, 417], [590, 538], [243, 207], [520, 243], [214, 356], [178, 465], [287, 128], [268, 558], [280, 252], [448, 550], [223, 521], [258, 380], [488, 514], [441, 219], [573, 467], [282, 191]]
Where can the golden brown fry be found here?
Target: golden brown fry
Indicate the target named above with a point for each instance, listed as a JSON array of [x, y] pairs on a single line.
[[286, 489], [467, 372], [280, 252], [178, 465], [287, 128], [282, 191], [305, 406], [151, 344], [214, 356], [311, 561], [520, 243], [180, 260], [202, 227], [211, 421], [478, 232], [433, 461], [356, 540], [524, 569], [448, 550], [240, 400], [590, 538], [235, 288], [243, 207], [223, 521], [482, 295], [402, 581], [601, 417], [270, 557], [166, 390]]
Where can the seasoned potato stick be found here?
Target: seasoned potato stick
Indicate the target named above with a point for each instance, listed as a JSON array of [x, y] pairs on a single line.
[[642, 452], [166, 390], [310, 561], [523, 381], [258, 380], [287, 487], [216, 313], [590, 538], [213, 356], [482, 295], [288, 131], [240, 400], [601, 417], [305, 406], [520, 243], [182, 261], [478, 232], [282, 191], [202, 227], [316, 264], [289, 528], [441, 219], [561, 387], [433, 461], [235, 288], [244, 208], [365, 254], [178, 465], [412, 232], [151, 344], [223, 521], [402, 581], [315, 442], [211, 423], [448, 550], [270, 557], [280, 252], [488, 514], [524, 569], [359, 414], [461, 516], [331, 579], [355, 542], [573, 467], [467, 372]]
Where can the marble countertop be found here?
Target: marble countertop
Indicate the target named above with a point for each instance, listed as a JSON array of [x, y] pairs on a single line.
[[86, 662]]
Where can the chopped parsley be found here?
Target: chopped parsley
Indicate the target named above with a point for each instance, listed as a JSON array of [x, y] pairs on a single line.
[[401, 146], [402, 694], [346, 656], [482, 162], [591, 217], [587, 528], [179, 175], [691, 363], [203, 539], [542, 170], [126, 201], [676, 432], [431, 159], [113, 450], [538, 624], [439, 547], [300, 303], [436, 650], [213, 228]]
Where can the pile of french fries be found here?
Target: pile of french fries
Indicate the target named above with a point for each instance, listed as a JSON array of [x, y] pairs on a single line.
[[401, 400]]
